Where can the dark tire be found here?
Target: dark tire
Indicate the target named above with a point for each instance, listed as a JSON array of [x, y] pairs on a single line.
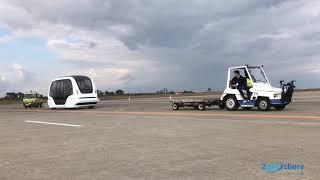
[[264, 104], [222, 106], [201, 107], [91, 107], [175, 106], [247, 108], [231, 103], [280, 107]]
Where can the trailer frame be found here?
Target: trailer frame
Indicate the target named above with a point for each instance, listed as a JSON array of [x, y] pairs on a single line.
[[197, 104]]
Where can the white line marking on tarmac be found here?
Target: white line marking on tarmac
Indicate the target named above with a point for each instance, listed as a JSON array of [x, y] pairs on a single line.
[[51, 123]]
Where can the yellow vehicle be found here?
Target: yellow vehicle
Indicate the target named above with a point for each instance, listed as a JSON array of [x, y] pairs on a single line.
[[32, 99]]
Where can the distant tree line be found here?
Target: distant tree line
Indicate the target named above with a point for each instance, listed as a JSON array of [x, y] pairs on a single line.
[[118, 92], [13, 95], [16, 96]]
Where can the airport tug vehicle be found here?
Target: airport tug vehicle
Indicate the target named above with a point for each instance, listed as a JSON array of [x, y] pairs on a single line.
[[262, 94], [32, 99]]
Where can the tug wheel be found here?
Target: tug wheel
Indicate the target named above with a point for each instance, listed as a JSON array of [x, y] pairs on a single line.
[[231, 103], [264, 104]]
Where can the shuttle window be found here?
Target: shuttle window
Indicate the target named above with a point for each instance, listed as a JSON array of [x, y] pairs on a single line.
[[61, 89], [84, 84], [53, 89], [68, 90]]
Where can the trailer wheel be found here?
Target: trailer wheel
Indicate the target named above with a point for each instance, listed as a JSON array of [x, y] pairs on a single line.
[[175, 106], [231, 103], [201, 106], [264, 104]]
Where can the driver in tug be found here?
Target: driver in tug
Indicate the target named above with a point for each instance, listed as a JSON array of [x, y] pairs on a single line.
[[241, 83]]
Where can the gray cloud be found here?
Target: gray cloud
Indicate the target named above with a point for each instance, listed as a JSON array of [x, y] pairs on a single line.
[[150, 44], [18, 78]]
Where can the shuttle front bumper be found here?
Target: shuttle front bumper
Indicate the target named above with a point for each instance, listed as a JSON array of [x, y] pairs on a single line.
[[85, 101], [74, 102]]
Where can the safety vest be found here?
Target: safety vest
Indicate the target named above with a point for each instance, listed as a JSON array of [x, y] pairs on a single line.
[[249, 83]]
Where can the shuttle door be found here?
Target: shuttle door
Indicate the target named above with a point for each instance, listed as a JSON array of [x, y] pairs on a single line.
[[60, 91]]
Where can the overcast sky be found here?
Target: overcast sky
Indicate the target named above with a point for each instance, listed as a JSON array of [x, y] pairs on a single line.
[[145, 45]]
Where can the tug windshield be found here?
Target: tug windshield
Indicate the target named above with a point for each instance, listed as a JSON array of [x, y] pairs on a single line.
[[29, 96], [257, 75]]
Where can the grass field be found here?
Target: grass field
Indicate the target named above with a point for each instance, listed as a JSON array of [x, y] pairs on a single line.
[[6, 101]]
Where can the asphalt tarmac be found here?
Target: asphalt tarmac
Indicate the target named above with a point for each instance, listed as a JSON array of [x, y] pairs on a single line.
[[144, 139]]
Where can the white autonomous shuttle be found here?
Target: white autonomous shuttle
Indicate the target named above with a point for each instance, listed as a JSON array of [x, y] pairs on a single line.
[[72, 92]]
